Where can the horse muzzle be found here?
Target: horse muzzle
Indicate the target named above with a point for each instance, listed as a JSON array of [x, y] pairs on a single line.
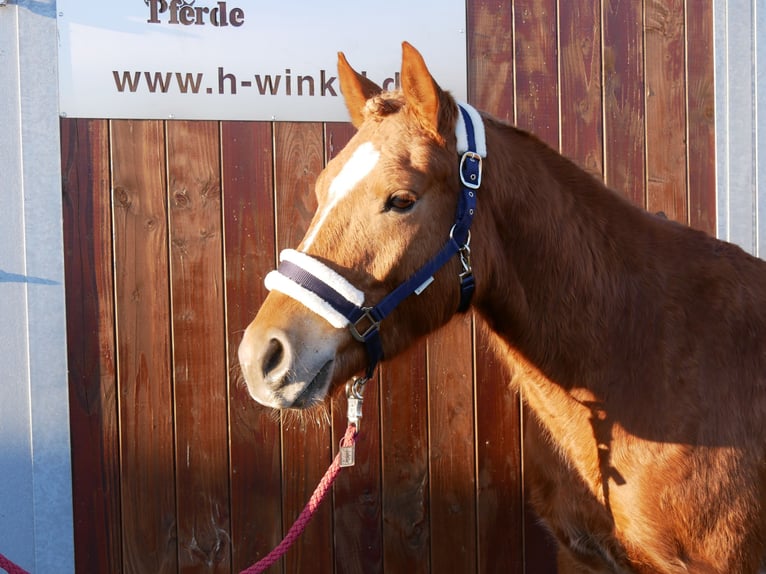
[[285, 370]]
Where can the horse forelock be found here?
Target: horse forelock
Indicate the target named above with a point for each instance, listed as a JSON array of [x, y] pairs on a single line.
[[383, 105], [387, 104]]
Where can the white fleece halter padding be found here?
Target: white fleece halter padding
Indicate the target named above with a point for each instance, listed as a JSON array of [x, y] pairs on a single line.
[[478, 131], [275, 281]]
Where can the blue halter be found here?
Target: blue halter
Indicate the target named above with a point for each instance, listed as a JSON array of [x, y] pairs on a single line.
[[364, 322]]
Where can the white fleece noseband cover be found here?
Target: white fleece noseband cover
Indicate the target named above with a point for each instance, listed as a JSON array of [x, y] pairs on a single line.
[[275, 281]]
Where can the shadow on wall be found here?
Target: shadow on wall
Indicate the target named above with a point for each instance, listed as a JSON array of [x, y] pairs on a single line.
[[39, 7], [6, 277]]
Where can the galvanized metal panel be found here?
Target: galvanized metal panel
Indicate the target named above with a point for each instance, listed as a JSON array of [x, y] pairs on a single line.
[[760, 58], [35, 493], [740, 50], [16, 499]]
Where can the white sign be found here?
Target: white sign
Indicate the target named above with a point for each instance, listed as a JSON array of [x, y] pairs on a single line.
[[244, 59]]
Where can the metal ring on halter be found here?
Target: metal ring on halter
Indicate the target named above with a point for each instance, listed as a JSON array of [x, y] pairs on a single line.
[[467, 239], [355, 388]]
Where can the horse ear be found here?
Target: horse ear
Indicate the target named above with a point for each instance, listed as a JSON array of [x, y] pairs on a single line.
[[421, 91], [356, 89]]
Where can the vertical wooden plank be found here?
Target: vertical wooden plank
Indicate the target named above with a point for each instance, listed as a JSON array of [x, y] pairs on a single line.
[[452, 447], [307, 447], [298, 160], [624, 130], [91, 345], [490, 57], [337, 135], [199, 368], [666, 108], [405, 472], [581, 109], [500, 503], [500, 506], [701, 115], [536, 53], [358, 540], [143, 339], [537, 105], [357, 492], [255, 444]]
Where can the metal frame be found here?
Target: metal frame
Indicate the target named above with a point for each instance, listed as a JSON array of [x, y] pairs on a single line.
[[36, 528], [740, 89]]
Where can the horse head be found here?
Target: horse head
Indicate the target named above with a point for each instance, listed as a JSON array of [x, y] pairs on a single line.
[[386, 205]]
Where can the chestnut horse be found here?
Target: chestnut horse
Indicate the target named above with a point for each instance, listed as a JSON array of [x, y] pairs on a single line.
[[639, 345]]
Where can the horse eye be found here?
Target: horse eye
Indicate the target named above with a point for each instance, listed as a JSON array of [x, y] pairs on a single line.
[[401, 201]]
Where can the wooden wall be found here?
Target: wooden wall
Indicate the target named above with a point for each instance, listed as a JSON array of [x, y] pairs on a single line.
[[169, 230]]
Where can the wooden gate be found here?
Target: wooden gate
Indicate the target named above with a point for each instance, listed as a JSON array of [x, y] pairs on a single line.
[[170, 228]]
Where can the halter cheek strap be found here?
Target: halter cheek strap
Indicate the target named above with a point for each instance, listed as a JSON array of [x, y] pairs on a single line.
[[329, 295]]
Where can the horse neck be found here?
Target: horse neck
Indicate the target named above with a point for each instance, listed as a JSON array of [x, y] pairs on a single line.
[[550, 247]]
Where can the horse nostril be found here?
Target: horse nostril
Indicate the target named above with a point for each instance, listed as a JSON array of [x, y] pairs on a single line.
[[273, 356]]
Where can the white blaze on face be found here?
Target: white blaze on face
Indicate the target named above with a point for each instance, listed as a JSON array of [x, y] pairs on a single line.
[[361, 163]]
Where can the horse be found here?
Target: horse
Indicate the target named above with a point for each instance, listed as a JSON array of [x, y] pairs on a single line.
[[639, 344]]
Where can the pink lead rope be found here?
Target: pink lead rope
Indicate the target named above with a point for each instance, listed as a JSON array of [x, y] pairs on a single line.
[[316, 499], [10, 567], [346, 443], [341, 459], [345, 457]]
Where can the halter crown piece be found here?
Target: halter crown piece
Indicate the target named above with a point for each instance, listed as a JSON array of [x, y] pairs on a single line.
[[331, 296]]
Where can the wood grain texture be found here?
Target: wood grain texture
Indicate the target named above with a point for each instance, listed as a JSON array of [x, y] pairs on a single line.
[[337, 135], [255, 437], [500, 502], [490, 57], [700, 112], [91, 346], [307, 446], [581, 109], [624, 115], [199, 366], [298, 159], [357, 493], [499, 520], [536, 64], [452, 448], [666, 108], [143, 333], [405, 468]]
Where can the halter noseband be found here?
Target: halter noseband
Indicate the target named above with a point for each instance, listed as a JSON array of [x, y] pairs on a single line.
[[331, 296]]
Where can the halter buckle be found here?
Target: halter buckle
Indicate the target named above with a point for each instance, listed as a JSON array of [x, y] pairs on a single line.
[[473, 181], [361, 334]]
